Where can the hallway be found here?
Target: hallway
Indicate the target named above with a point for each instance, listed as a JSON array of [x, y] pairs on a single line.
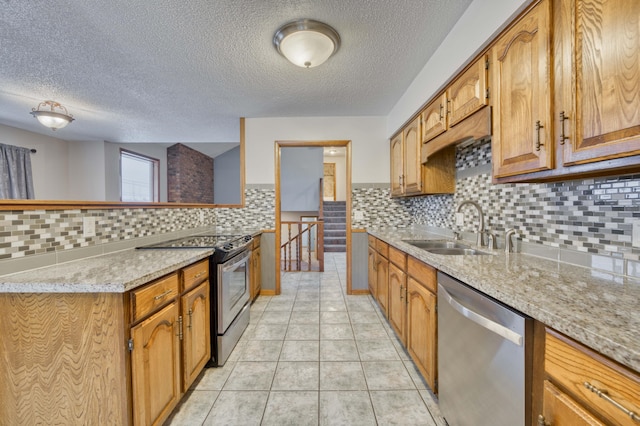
[[312, 356]]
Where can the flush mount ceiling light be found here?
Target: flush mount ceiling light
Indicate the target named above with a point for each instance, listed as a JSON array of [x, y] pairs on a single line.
[[56, 117], [306, 43]]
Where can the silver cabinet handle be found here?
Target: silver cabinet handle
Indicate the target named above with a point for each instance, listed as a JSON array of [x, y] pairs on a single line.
[[482, 321], [162, 295], [603, 394]]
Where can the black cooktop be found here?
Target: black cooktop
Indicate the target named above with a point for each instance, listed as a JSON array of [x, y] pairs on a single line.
[[219, 242]]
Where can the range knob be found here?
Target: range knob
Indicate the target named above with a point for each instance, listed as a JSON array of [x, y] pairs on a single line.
[[247, 238], [227, 246]]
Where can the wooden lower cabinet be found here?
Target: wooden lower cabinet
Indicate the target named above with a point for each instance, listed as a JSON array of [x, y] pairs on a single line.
[[255, 274], [155, 366], [560, 409], [196, 341], [382, 282], [422, 329], [397, 312], [372, 274]]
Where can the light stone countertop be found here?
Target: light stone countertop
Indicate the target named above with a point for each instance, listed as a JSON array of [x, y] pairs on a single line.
[[116, 272], [599, 309]]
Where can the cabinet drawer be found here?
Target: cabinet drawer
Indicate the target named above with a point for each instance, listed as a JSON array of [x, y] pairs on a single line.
[[424, 274], [152, 296], [580, 371], [372, 242], [399, 258], [382, 248], [195, 274]]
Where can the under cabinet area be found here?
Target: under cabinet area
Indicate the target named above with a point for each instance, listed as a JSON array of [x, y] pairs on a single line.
[[104, 358], [581, 387]]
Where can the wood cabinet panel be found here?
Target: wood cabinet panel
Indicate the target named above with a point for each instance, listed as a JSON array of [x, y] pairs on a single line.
[[412, 165], [572, 366], [195, 274], [434, 118], [397, 165], [602, 80], [397, 301], [398, 257], [382, 248], [468, 93], [196, 343], [522, 120], [155, 366], [382, 282], [422, 330], [424, 273], [372, 272], [150, 297], [561, 410]]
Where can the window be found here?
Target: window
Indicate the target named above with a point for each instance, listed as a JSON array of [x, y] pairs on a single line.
[[139, 179]]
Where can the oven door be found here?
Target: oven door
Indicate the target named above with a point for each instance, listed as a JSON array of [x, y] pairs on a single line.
[[233, 289]]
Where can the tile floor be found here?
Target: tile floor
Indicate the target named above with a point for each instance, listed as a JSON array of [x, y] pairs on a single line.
[[313, 356]]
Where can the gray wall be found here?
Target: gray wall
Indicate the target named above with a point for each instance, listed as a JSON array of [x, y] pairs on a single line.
[[300, 172], [226, 177], [359, 259]]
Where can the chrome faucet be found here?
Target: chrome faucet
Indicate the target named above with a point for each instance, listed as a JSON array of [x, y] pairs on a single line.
[[480, 231], [508, 243]]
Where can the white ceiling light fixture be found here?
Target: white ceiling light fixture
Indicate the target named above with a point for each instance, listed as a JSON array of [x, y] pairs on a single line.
[[306, 43], [56, 117]]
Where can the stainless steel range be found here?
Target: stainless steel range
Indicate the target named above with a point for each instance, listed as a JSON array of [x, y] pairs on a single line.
[[229, 266]]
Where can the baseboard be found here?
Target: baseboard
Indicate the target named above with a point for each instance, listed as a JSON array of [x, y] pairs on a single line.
[[360, 292], [265, 292]]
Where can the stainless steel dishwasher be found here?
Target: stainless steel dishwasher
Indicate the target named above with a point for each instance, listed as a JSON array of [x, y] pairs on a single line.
[[484, 358]]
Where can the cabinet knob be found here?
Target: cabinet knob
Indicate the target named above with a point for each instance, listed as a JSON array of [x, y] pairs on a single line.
[[541, 421]]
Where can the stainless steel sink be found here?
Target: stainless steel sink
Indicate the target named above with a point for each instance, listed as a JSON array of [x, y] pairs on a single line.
[[445, 247]]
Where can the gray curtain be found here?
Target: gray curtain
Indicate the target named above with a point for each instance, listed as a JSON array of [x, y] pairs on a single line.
[[16, 180]]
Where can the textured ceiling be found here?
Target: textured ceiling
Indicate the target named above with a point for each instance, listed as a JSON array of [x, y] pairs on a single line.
[[185, 71]]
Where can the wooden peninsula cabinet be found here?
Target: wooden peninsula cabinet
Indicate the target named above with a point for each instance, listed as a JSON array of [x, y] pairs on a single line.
[[104, 358]]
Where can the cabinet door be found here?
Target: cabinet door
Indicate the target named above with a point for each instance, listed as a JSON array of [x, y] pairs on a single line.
[[422, 329], [560, 410], [373, 273], [397, 300], [434, 118], [397, 166], [603, 114], [522, 121], [382, 282], [196, 342], [155, 366], [412, 165], [255, 274], [468, 93]]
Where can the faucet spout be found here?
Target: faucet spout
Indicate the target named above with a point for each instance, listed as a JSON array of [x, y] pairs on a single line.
[[480, 215]]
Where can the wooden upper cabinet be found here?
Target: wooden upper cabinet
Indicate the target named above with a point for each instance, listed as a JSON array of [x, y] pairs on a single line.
[[468, 93], [397, 169], [434, 118], [521, 75], [600, 79], [412, 166]]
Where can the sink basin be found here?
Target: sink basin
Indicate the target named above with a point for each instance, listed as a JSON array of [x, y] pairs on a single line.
[[445, 247], [436, 244]]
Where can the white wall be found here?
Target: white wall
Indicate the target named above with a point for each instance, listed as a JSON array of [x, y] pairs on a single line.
[[341, 175], [369, 145], [482, 20], [86, 170]]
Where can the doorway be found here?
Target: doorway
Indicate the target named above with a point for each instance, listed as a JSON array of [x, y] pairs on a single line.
[[283, 145]]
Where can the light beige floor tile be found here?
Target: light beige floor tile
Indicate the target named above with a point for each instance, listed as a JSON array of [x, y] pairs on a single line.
[[261, 350], [238, 408], [415, 374], [303, 332], [432, 405], [332, 305], [377, 350], [339, 350], [305, 317], [363, 317], [251, 376], [264, 331], [214, 378], [309, 305], [280, 304], [291, 409], [400, 408], [337, 317], [369, 331], [300, 350], [336, 332], [387, 375], [337, 376], [194, 408], [296, 376], [275, 317], [346, 408]]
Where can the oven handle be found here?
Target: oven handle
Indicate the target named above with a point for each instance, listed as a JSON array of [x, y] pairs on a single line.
[[225, 267], [482, 321]]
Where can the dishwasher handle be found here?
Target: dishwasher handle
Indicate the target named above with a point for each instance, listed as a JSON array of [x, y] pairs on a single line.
[[482, 321]]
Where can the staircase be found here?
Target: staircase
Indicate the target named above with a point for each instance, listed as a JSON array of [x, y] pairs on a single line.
[[335, 226]]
